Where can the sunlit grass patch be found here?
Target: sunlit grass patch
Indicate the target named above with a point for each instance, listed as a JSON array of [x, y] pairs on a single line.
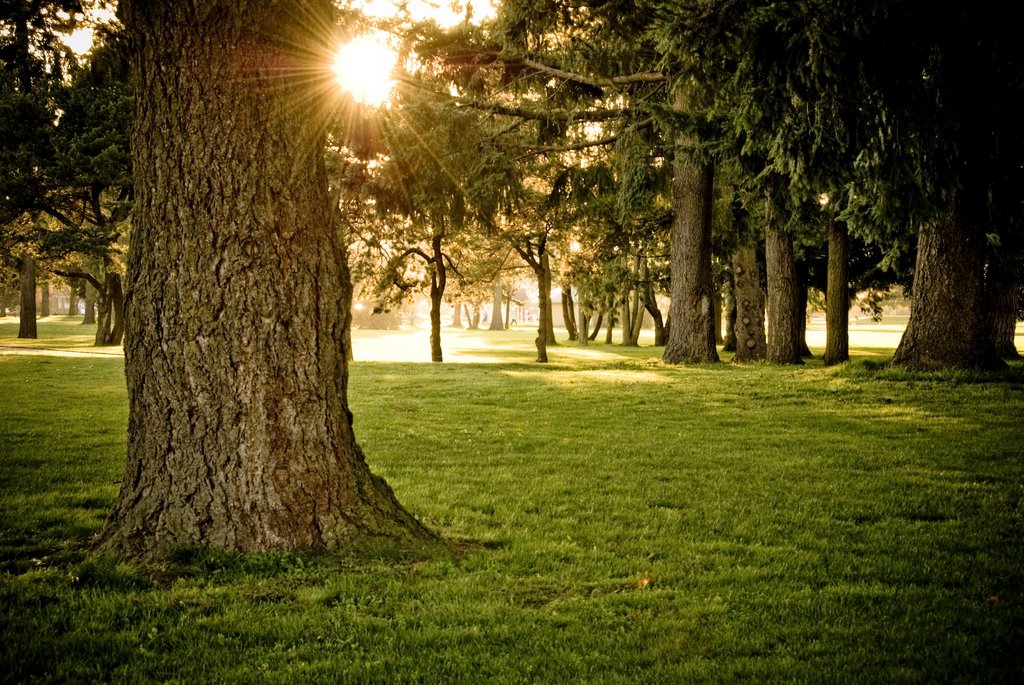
[[610, 518]]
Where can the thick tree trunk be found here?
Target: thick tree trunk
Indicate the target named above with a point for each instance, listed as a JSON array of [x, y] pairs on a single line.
[[239, 434], [438, 281], [692, 335], [457, 315], [1002, 288], [947, 316], [496, 321], [569, 312], [837, 295], [749, 326], [783, 299], [27, 309], [717, 300]]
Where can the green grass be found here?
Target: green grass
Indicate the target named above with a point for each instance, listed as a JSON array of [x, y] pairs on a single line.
[[615, 520]]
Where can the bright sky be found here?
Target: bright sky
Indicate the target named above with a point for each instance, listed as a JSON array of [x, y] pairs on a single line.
[[81, 40], [446, 14]]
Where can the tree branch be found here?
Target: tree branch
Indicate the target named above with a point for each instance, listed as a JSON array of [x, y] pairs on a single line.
[[80, 274]]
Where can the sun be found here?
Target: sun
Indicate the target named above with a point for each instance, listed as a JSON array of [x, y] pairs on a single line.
[[363, 67]]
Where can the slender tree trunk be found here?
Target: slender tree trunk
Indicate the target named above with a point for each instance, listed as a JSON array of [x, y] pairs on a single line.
[[496, 321], [597, 327], [569, 312], [719, 339], [611, 324], [508, 311], [749, 297], [651, 306], [549, 322], [27, 309], [239, 434], [44, 300], [72, 299], [783, 299], [90, 305], [837, 295], [544, 311], [438, 281], [692, 334], [1002, 288], [803, 292], [729, 341]]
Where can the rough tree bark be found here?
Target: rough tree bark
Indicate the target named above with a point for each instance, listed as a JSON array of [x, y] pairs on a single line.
[[27, 310], [496, 321], [837, 295], [691, 338], [947, 314], [239, 434], [783, 299], [749, 325]]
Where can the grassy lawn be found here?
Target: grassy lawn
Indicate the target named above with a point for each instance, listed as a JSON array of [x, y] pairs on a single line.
[[612, 520]]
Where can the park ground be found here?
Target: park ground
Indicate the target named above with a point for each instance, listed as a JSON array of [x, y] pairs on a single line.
[[608, 518]]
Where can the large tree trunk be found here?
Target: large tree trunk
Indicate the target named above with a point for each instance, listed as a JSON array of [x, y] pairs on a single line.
[[1002, 288], [947, 315], [496, 322], [691, 337], [239, 434], [783, 299], [27, 310], [837, 295], [749, 326]]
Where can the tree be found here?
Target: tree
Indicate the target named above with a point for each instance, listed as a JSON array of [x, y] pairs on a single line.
[[239, 433]]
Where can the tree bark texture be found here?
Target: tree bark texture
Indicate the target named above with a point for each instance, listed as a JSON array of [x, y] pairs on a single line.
[[783, 299], [110, 320], [544, 306], [239, 434], [691, 337], [27, 309], [947, 327], [497, 324], [837, 295], [749, 296]]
